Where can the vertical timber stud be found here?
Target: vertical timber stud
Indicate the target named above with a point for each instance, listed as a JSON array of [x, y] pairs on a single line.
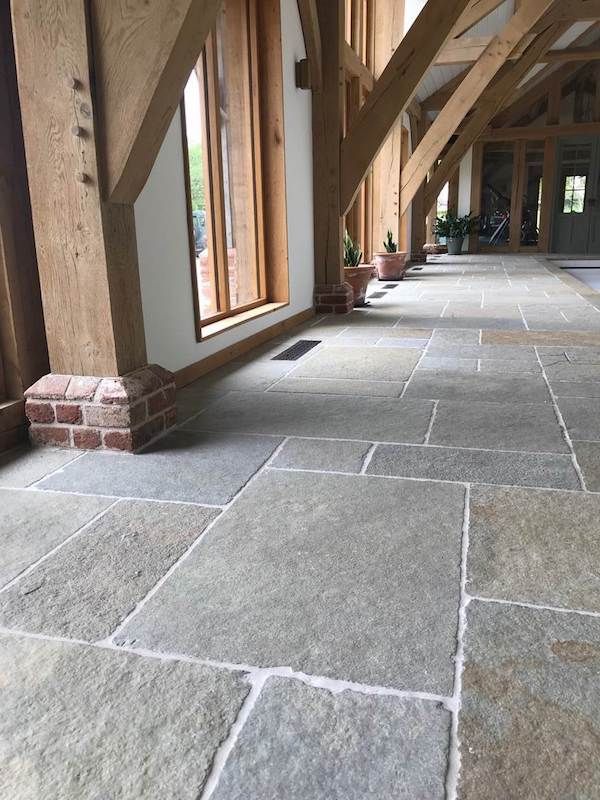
[[100, 393], [418, 128], [332, 294]]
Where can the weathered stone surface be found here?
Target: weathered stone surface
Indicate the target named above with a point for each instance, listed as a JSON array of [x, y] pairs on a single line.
[[575, 388], [207, 468], [83, 723], [370, 418], [588, 458], [322, 454], [448, 364], [26, 465], [358, 388], [498, 426], [454, 336], [564, 337], [381, 364], [91, 584], [530, 715], [479, 388], [489, 352], [250, 377], [582, 417], [307, 743], [354, 589], [535, 546], [33, 523], [479, 466]]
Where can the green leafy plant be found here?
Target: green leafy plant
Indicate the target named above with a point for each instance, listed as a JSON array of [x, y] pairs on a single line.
[[453, 227], [389, 244], [352, 252]]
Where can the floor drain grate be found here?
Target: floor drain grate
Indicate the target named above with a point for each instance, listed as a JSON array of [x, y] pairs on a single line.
[[297, 350], [416, 269], [390, 286], [377, 295]]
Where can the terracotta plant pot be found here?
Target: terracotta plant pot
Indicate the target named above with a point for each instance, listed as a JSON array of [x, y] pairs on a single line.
[[358, 278], [390, 266]]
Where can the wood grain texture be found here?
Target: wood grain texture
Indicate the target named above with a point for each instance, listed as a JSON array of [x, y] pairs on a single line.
[[309, 19], [394, 90], [474, 13], [144, 51], [87, 254], [467, 94]]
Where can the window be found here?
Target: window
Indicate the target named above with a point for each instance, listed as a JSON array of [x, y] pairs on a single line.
[[221, 114], [496, 193], [574, 194], [531, 200]]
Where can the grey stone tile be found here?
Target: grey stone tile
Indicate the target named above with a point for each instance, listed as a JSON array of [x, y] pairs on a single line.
[[389, 333], [497, 366], [436, 384], [535, 546], [307, 743], [209, 468], [84, 723], [387, 341], [448, 364], [575, 388], [530, 713], [254, 376], [363, 587], [347, 386], [456, 336], [370, 418], [474, 323], [86, 588], [33, 523], [381, 364], [322, 454], [479, 466], [483, 351], [25, 465], [566, 371], [581, 416], [498, 426], [588, 458]]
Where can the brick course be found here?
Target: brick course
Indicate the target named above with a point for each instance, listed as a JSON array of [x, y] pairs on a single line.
[[90, 413], [334, 298]]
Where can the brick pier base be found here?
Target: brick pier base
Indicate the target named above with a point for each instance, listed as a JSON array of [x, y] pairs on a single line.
[[334, 298], [122, 413]]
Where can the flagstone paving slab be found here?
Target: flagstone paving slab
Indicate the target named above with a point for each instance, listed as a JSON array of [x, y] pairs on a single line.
[[83, 723], [294, 727], [575, 388], [365, 592], [322, 454], [320, 416], [479, 466], [364, 388], [529, 725], [581, 416], [535, 546], [543, 338], [25, 465], [86, 588], [365, 362], [588, 458], [498, 426], [33, 523], [516, 389], [209, 468]]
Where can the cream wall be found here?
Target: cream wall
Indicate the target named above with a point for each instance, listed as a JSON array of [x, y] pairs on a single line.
[[161, 222]]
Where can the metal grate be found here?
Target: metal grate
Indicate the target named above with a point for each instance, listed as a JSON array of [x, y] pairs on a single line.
[[297, 350], [416, 269], [377, 295], [390, 285]]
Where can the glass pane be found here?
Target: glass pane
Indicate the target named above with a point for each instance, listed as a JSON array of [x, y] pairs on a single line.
[[567, 204], [236, 125], [578, 201], [579, 182], [496, 194], [195, 118]]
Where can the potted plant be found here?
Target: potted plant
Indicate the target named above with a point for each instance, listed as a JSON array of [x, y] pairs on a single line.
[[454, 229], [391, 264], [356, 273]]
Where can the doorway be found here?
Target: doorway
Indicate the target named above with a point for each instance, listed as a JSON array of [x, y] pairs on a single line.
[[577, 201]]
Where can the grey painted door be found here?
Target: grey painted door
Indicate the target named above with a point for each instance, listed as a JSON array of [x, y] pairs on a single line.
[[576, 226]]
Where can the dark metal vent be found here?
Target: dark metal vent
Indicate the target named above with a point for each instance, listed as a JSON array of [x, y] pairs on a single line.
[[377, 295], [390, 285], [297, 350], [416, 269]]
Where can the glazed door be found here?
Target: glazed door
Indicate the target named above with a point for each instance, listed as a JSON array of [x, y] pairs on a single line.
[[577, 208]]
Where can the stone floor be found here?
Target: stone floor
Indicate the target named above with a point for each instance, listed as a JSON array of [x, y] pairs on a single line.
[[373, 572]]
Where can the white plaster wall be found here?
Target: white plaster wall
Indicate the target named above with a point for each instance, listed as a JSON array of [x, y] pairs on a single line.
[[161, 223], [464, 184]]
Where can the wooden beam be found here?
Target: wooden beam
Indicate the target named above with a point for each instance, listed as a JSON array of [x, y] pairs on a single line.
[[573, 54], [477, 10], [394, 90], [87, 254], [549, 172], [468, 50], [312, 41], [541, 132], [356, 69], [418, 232], [144, 52], [440, 97], [467, 94], [487, 105], [572, 10]]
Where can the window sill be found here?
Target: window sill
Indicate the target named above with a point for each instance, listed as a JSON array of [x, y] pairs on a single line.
[[215, 328]]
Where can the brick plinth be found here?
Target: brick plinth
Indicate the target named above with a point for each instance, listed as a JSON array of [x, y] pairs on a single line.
[[89, 413], [417, 258], [334, 298]]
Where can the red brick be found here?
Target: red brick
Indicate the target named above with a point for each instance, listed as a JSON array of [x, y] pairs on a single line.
[[161, 400], [170, 417], [343, 309], [117, 416], [48, 434], [118, 440], [324, 309], [82, 388], [164, 374], [50, 387], [87, 438], [39, 412], [111, 390], [146, 432], [69, 413]]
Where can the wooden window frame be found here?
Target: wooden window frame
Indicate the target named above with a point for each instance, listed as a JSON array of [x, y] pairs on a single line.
[[266, 113]]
